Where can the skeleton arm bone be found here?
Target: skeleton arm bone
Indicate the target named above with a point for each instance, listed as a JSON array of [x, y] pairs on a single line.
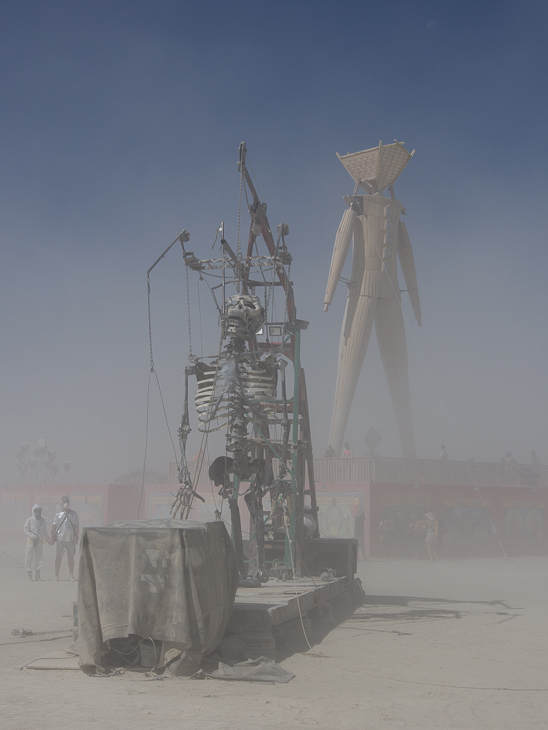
[[340, 251], [405, 253]]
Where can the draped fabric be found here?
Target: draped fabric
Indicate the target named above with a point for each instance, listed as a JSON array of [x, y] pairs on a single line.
[[169, 580]]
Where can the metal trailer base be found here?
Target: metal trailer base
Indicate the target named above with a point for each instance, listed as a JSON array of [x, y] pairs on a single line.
[[318, 554], [282, 613]]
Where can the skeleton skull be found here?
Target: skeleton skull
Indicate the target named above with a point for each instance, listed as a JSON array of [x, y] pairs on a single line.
[[244, 316]]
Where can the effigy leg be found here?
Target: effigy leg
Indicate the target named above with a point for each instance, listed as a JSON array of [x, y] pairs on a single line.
[[390, 330], [352, 349]]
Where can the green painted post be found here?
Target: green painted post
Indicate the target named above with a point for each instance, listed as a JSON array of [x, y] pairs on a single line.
[[290, 543], [235, 494]]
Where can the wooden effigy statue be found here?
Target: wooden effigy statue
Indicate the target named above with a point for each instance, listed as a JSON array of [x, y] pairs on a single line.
[[380, 238]]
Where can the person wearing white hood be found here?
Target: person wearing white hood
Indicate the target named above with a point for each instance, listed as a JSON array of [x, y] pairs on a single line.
[[36, 532]]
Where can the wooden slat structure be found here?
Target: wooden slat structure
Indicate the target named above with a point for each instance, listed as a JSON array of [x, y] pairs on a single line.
[[372, 222], [393, 470], [280, 601]]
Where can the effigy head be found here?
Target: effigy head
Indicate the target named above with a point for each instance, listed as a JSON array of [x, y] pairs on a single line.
[[244, 316]]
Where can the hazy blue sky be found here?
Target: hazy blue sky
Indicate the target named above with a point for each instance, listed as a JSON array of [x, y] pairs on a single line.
[[120, 125]]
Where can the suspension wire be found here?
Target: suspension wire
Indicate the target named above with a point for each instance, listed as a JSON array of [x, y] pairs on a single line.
[[255, 178], [190, 357], [205, 434], [152, 368], [214, 297], [397, 295], [286, 293], [165, 415], [153, 372], [146, 430], [150, 325], [200, 318], [297, 595], [421, 226], [238, 239], [179, 238]]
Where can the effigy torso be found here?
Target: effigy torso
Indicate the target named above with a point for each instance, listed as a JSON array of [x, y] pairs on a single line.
[[376, 244]]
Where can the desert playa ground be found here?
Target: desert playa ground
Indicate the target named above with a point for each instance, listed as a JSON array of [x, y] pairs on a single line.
[[455, 644]]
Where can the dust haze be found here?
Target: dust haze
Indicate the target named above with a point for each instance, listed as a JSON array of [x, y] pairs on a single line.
[[104, 166], [121, 124]]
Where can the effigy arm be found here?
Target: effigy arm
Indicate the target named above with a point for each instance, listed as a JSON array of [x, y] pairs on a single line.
[[340, 252], [407, 260]]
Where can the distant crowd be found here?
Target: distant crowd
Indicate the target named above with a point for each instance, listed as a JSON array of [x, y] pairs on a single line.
[[508, 458]]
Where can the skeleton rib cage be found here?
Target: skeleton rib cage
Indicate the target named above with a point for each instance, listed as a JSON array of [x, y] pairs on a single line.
[[234, 376]]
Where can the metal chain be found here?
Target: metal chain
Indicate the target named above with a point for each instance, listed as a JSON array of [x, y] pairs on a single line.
[[200, 317], [238, 241], [269, 293], [285, 301], [188, 312]]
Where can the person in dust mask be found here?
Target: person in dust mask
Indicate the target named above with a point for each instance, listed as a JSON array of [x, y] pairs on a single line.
[[37, 532], [64, 531]]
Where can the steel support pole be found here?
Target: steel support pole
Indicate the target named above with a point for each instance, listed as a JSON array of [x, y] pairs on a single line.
[[290, 540], [236, 528]]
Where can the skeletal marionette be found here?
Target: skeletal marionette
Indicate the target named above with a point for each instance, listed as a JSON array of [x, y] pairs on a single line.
[[238, 388], [372, 222]]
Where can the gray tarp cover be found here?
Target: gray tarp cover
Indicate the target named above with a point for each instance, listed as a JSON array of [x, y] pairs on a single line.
[[170, 580], [253, 670]]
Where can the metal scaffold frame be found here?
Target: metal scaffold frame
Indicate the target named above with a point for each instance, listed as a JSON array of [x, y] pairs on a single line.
[[234, 389]]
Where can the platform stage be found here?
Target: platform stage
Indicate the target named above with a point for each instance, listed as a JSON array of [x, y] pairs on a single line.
[[283, 614]]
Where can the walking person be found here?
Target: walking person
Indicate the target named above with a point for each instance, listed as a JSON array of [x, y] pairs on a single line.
[[64, 532], [431, 535], [329, 452], [37, 532], [416, 531], [386, 530]]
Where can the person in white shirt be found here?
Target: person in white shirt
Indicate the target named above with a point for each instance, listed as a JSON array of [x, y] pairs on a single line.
[[431, 524], [37, 532], [64, 532]]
